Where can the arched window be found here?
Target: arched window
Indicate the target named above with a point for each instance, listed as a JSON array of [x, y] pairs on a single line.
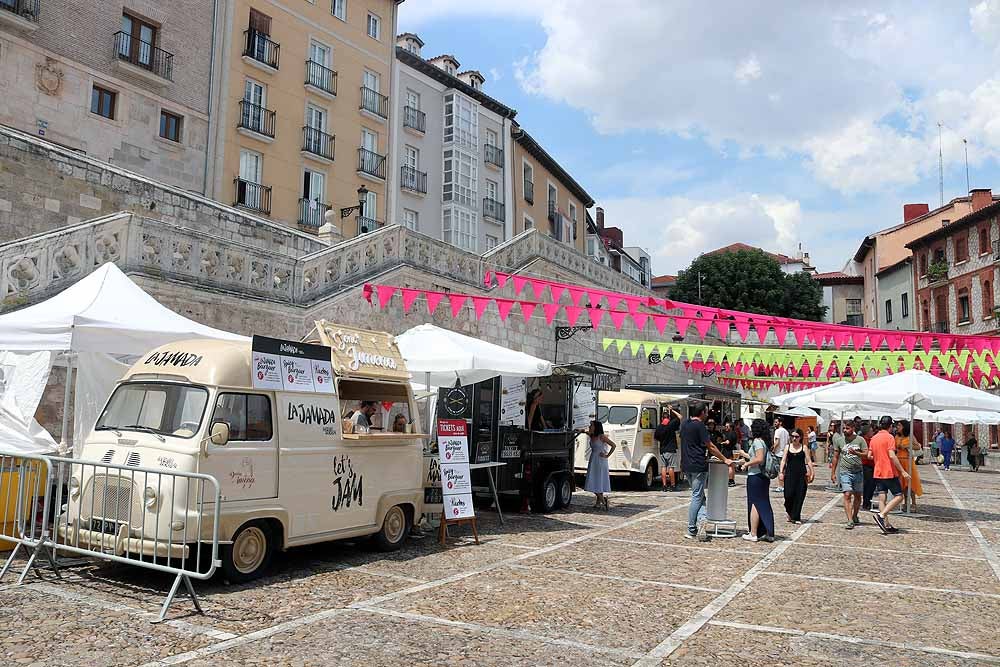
[[987, 298]]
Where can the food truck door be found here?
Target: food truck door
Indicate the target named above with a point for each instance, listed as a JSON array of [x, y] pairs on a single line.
[[247, 465]]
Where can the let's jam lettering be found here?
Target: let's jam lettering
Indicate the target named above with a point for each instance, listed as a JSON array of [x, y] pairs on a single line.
[[304, 413], [167, 358], [348, 344], [347, 485], [434, 472]]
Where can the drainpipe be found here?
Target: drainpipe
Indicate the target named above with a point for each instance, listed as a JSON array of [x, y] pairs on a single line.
[[211, 83]]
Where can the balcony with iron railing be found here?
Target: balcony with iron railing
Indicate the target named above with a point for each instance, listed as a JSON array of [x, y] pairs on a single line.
[[493, 209], [374, 103], [937, 271], [415, 119], [940, 327], [260, 49], [21, 15], [316, 143], [493, 155], [553, 210], [320, 78], [413, 180], [371, 164], [256, 119], [312, 212], [253, 196], [529, 192], [141, 57], [368, 225]]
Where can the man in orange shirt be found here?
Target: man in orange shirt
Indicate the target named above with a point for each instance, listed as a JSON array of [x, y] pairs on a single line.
[[883, 452]]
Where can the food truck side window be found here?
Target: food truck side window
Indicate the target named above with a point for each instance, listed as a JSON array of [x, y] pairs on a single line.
[[648, 419], [622, 415], [248, 415]]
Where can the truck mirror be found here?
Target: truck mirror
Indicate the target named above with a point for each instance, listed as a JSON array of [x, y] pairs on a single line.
[[220, 433]]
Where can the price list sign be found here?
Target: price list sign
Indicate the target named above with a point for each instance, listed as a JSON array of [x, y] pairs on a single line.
[[456, 478]]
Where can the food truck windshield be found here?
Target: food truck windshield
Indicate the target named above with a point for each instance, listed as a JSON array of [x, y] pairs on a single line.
[[618, 415], [165, 408]]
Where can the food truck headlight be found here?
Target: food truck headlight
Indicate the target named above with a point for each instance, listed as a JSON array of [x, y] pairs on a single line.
[[74, 487], [177, 525], [150, 497]]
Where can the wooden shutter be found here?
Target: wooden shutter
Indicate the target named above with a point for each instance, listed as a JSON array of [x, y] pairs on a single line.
[[260, 22]]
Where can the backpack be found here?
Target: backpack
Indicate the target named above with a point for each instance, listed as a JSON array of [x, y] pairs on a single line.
[[772, 464]]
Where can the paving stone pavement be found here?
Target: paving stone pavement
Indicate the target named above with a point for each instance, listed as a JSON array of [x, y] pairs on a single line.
[[578, 586]]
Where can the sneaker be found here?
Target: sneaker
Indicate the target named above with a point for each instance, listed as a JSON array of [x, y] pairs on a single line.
[[849, 525], [881, 523], [856, 520], [749, 538], [779, 489], [892, 530], [732, 483], [688, 535], [768, 538]]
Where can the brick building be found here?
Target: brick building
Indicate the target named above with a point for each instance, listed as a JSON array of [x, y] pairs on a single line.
[[954, 271]]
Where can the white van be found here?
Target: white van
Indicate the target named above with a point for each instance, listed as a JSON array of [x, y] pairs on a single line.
[[288, 472], [630, 418]]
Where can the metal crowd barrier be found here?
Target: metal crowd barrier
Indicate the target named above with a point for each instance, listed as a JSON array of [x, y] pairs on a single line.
[[153, 518]]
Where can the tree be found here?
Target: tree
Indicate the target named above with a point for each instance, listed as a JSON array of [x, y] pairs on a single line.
[[750, 281]]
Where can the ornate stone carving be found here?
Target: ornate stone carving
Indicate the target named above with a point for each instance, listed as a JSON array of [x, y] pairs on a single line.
[[310, 279], [181, 255], [67, 261], [234, 267], [259, 272], [353, 263], [211, 263], [48, 77], [282, 279], [333, 270], [106, 247], [371, 256], [23, 274], [151, 247]]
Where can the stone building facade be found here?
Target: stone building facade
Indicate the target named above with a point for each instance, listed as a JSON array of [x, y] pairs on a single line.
[[126, 82]]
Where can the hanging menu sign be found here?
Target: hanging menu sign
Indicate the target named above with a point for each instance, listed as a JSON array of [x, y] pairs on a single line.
[[284, 365], [456, 478], [512, 399]]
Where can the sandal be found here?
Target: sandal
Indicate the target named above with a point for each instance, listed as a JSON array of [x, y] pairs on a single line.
[[605, 504]]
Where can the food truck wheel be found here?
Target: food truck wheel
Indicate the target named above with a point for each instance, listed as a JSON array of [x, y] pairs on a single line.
[[546, 496], [648, 478], [565, 491], [249, 554], [395, 528]]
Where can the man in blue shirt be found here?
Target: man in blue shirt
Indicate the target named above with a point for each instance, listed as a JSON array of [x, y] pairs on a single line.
[[947, 444], [696, 445]]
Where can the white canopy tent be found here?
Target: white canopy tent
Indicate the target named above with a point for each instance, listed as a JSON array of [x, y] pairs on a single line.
[[803, 412], [90, 325], [803, 398], [959, 417]]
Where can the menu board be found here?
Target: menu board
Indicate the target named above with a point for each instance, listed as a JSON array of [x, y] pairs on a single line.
[[584, 407], [456, 478], [283, 365], [513, 395]]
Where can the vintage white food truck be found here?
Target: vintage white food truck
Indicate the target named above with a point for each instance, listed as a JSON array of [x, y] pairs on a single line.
[[267, 420], [630, 418]]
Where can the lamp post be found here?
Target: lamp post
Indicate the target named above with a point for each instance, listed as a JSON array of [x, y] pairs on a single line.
[[348, 210]]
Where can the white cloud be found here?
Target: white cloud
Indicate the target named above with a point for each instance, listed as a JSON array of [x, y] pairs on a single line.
[[495, 74], [984, 19], [748, 70]]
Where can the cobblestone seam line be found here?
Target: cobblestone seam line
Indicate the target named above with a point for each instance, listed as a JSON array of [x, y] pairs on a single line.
[[698, 621], [499, 632], [984, 544], [881, 550], [372, 602], [627, 580], [690, 547], [883, 585], [823, 636]]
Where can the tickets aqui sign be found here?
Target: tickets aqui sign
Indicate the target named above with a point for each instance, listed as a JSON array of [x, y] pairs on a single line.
[[456, 478], [284, 365], [357, 352]]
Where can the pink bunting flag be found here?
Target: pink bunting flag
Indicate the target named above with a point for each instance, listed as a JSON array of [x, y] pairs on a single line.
[[680, 322], [661, 323], [573, 314], [519, 282], [722, 326], [550, 309], [433, 299], [781, 331], [801, 334], [702, 325], [876, 339], [504, 307], [761, 330], [618, 318], [633, 304], [596, 315], [385, 293], [926, 342], [640, 320], [488, 279], [527, 308], [409, 296], [366, 292], [945, 342], [594, 298], [892, 341], [909, 342], [556, 291], [613, 300], [742, 326], [839, 338], [575, 293], [457, 302], [501, 280], [858, 339], [479, 304]]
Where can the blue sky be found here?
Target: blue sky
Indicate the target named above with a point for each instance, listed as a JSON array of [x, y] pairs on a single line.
[[696, 125]]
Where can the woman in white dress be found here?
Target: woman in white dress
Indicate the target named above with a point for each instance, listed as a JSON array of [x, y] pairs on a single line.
[[599, 448]]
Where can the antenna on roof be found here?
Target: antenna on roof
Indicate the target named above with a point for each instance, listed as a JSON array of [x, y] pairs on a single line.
[[940, 164], [968, 187]]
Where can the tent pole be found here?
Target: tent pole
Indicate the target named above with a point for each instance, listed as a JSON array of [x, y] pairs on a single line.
[[427, 387], [909, 447], [64, 442]]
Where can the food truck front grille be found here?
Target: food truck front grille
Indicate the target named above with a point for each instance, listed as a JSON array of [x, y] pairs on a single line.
[[112, 498]]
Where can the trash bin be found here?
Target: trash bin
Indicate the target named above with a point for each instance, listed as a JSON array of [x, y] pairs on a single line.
[[717, 510]]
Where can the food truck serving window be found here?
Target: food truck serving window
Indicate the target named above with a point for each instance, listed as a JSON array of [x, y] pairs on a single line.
[[621, 415], [168, 409], [248, 415]]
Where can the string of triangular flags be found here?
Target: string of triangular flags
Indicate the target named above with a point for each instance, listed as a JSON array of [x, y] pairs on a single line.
[[765, 383]]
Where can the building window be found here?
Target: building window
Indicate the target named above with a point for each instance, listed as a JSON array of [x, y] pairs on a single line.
[[102, 102], [939, 254], [170, 126], [339, 9], [888, 310], [553, 198], [963, 306], [904, 305], [461, 121], [411, 219], [491, 242], [529, 183], [984, 240], [923, 264], [374, 26], [961, 248], [460, 178], [460, 228], [528, 222], [137, 42], [987, 287]]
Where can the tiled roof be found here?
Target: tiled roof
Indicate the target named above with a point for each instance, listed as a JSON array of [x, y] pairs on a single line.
[[664, 280], [736, 247], [838, 278]]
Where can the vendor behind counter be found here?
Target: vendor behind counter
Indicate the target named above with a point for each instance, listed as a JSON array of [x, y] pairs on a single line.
[[546, 406]]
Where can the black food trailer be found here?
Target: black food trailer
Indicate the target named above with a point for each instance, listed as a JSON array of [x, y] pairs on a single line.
[[538, 463]]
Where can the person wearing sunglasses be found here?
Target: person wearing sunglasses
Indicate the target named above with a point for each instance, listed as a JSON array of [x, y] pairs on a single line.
[[795, 475]]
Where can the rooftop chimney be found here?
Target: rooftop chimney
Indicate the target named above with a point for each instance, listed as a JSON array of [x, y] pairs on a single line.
[[911, 211], [472, 78], [410, 42], [981, 198], [600, 218]]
